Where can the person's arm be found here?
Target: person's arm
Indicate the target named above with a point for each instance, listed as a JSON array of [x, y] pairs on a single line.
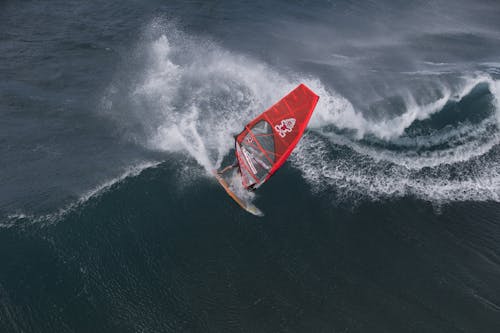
[[229, 167]]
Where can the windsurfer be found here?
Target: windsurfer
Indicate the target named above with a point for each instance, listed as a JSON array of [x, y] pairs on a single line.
[[232, 166]]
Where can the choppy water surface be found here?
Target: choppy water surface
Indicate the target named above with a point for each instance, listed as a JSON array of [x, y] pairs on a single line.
[[386, 217]]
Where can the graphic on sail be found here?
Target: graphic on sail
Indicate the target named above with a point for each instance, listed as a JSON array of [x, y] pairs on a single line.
[[268, 140]]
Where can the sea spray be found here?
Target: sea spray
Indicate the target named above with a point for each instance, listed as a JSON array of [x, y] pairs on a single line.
[[193, 96]]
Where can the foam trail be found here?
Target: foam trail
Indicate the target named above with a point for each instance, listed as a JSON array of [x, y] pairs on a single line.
[[466, 143], [466, 169], [198, 95], [48, 219], [495, 89], [193, 97], [335, 110], [350, 177]]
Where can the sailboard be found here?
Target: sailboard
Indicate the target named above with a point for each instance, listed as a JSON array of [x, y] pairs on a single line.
[[268, 140], [248, 206]]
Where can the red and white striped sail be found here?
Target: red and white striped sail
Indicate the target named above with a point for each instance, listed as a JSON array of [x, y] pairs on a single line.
[[268, 140]]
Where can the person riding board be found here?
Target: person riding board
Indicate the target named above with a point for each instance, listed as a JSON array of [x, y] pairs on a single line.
[[235, 164], [229, 167]]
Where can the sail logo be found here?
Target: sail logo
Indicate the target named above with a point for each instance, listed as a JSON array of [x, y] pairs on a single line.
[[285, 126]]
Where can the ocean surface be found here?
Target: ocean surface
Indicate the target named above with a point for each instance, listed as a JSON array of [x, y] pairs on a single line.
[[386, 218]]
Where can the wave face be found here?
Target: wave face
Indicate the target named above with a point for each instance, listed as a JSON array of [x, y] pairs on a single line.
[[404, 111], [435, 139], [386, 218], [424, 152]]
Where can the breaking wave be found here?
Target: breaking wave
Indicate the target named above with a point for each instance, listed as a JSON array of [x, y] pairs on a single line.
[[44, 220], [192, 96], [457, 162]]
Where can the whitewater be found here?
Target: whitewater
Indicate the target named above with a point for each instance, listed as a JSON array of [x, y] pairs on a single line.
[[193, 96]]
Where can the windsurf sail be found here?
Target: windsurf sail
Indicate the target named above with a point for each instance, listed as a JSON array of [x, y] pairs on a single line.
[[267, 141]]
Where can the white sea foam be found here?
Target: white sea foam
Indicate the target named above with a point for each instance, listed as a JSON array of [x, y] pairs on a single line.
[[48, 219], [203, 100], [192, 96], [195, 96], [419, 167], [352, 176], [466, 142], [336, 110]]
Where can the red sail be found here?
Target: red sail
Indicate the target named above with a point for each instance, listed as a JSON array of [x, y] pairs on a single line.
[[268, 140]]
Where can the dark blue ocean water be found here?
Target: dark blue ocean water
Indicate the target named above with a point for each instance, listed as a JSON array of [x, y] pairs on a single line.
[[386, 218]]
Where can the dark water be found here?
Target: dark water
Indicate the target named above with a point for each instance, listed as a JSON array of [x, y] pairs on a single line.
[[385, 219]]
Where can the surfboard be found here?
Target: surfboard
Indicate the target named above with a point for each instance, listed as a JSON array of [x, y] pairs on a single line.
[[249, 207]]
